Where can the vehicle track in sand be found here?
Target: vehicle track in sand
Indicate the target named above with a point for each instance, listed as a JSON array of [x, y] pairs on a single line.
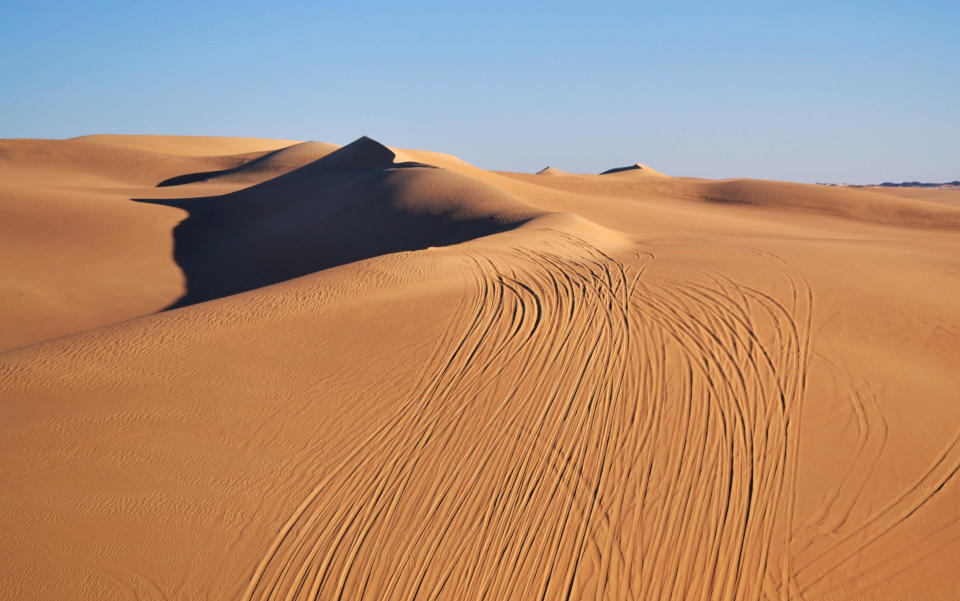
[[587, 429]]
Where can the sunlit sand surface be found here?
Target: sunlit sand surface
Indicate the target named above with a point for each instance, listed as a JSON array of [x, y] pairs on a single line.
[[249, 369]]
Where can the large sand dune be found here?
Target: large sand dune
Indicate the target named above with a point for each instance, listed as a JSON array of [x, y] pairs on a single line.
[[388, 374]]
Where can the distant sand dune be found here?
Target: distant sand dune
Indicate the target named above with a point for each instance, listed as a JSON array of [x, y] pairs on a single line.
[[855, 203], [635, 169]]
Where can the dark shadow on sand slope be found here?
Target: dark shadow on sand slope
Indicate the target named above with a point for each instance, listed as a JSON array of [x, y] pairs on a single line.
[[291, 157], [202, 176], [351, 205], [622, 169]]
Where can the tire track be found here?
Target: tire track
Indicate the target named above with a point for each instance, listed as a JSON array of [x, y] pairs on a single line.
[[586, 429]]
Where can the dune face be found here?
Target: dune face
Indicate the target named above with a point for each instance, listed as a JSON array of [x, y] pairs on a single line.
[[264, 167], [388, 374], [352, 204]]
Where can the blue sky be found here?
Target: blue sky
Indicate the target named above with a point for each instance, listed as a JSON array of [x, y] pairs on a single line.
[[816, 91]]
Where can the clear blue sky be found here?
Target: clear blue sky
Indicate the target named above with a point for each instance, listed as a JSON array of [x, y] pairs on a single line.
[[805, 91]]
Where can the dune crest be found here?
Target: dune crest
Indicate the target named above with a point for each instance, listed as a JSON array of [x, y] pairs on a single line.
[[550, 170], [363, 154], [187, 145], [271, 164]]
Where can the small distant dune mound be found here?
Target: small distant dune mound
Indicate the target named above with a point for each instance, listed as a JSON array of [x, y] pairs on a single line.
[[635, 169], [356, 202], [550, 170], [269, 165]]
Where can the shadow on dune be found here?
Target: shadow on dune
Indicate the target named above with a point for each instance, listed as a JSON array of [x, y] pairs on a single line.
[[352, 204], [274, 162], [202, 176]]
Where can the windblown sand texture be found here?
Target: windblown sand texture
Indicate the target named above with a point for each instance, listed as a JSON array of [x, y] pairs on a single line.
[[253, 369]]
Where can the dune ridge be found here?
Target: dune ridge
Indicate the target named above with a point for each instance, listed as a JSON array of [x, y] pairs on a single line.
[[187, 145], [271, 164]]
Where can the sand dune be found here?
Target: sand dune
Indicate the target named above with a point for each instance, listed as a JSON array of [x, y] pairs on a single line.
[[389, 374], [74, 253], [353, 203], [86, 161], [635, 169]]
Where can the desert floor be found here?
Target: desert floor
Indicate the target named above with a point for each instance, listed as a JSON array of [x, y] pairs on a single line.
[[248, 369]]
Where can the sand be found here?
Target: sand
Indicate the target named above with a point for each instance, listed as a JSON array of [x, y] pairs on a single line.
[[263, 369]]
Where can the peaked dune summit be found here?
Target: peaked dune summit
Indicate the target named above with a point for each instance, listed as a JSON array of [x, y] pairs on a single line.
[[363, 154], [550, 170], [637, 168]]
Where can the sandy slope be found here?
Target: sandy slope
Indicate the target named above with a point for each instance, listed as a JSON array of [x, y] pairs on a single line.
[[394, 375]]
